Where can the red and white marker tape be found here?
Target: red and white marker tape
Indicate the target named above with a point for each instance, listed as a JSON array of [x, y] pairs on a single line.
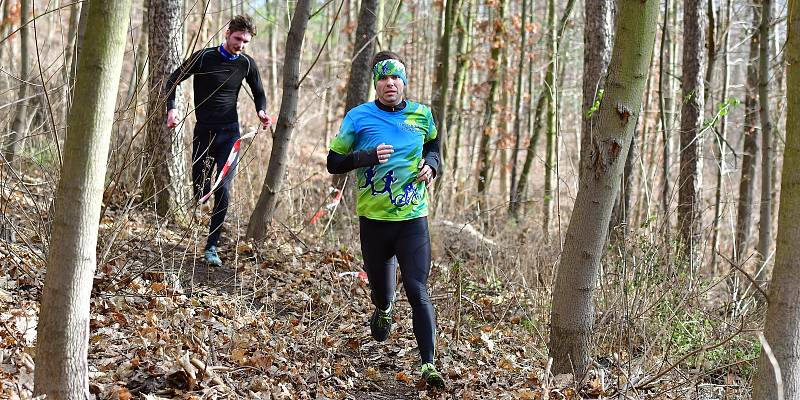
[[337, 197], [228, 164]]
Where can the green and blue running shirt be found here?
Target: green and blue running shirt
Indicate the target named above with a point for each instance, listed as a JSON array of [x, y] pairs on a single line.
[[389, 191]]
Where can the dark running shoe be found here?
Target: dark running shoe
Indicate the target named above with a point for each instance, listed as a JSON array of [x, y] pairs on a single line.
[[432, 377], [380, 324]]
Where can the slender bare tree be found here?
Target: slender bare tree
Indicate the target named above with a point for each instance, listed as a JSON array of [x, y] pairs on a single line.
[[19, 127], [572, 307], [287, 118], [63, 329], [691, 166], [765, 206], [744, 213]]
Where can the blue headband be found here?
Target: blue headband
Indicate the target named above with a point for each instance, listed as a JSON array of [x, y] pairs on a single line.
[[389, 67]]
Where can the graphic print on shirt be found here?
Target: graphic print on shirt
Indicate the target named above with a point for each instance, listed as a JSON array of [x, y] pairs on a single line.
[[410, 194]]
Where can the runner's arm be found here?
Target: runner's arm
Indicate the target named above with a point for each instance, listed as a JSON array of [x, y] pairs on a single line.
[[253, 79], [189, 67], [343, 163], [430, 153]]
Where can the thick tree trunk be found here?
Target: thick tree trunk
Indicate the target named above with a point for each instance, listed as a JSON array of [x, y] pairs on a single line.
[[573, 309], [691, 167], [782, 328], [63, 329], [287, 118], [744, 213], [19, 127], [165, 178], [765, 206]]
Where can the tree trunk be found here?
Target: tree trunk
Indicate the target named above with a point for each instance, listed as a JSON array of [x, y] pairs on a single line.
[[573, 310], [744, 213], [550, 97], [287, 118], [360, 71], [488, 129], [535, 131], [765, 207], [723, 136], [13, 145], [666, 91], [440, 86], [691, 167], [513, 201], [551, 91], [782, 328], [597, 51], [63, 329], [463, 26], [165, 178]]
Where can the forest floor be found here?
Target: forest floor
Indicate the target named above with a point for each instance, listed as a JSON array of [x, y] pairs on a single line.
[[285, 320]]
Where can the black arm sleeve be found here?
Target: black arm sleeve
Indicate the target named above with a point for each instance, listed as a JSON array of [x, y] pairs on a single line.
[[254, 81], [340, 164], [430, 153], [189, 67]]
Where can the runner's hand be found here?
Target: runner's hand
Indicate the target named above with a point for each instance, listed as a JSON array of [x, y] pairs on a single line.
[[266, 121], [425, 173], [172, 118], [384, 152]]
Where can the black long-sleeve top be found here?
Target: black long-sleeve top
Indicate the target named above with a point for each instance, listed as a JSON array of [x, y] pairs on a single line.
[[217, 81]]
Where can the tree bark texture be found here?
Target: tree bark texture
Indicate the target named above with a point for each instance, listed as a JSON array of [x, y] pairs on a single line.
[[287, 118], [63, 330], [165, 178], [442, 82], [765, 206], [782, 328], [573, 310], [596, 54], [488, 129], [744, 214], [691, 167]]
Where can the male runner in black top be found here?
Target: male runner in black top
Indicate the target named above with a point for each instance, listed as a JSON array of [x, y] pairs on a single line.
[[218, 75]]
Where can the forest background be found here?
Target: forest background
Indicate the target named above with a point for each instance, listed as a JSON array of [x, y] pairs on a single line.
[[656, 289]]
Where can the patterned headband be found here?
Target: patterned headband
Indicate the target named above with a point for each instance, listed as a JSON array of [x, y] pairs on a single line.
[[388, 68]]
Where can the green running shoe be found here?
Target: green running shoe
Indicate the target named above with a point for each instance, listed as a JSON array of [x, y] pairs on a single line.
[[380, 324], [432, 376], [212, 257]]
